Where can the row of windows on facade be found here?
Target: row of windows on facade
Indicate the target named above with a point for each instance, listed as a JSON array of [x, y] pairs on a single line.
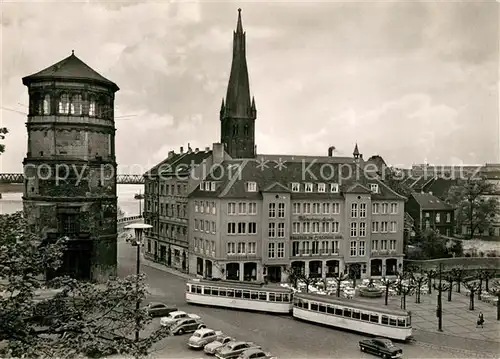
[[173, 210], [205, 226], [437, 217], [295, 187], [235, 129], [175, 189], [73, 105], [202, 245], [205, 207], [172, 230]]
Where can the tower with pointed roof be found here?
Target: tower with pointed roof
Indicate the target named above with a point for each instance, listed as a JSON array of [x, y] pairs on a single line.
[[238, 111], [70, 166]]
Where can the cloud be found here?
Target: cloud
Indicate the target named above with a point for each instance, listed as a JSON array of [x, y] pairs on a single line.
[[322, 74]]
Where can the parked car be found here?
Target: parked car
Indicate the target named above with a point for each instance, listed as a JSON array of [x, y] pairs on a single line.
[[156, 309], [213, 346], [186, 325], [172, 317], [233, 349], [202, 337], [255, 354], [381, 347]]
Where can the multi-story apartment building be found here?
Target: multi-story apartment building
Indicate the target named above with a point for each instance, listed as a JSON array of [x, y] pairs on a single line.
[[274, 214], [428, 211], [167, 186]]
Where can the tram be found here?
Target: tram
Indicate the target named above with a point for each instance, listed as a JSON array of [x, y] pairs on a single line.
[[353, 315], [238, 295]]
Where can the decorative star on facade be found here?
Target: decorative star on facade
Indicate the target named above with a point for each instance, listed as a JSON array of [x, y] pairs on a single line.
[[280, 164], [262, 164]]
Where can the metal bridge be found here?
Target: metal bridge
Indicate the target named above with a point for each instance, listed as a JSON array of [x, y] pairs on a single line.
[[8, 178]]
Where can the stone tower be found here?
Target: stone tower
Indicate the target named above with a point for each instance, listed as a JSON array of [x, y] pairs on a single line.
[[238, 112], [70, 166]]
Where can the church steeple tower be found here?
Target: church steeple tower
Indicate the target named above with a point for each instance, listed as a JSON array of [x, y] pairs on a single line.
[[238, 112]]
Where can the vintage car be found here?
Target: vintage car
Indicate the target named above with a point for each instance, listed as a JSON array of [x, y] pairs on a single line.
[[234, 349], [202, 337], [172, 317], [213, 346], [381, 347], [255, 354], [159, 309], [186, 325]]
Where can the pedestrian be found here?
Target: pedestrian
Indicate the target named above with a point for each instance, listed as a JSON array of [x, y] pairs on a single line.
[[480, 320]]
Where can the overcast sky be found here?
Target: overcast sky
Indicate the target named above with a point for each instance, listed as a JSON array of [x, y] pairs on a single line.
[[410, 81]]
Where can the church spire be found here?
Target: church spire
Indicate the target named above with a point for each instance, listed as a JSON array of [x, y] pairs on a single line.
[[238, 103]]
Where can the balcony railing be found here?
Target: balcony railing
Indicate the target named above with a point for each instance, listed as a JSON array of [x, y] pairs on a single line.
[[241, 256]]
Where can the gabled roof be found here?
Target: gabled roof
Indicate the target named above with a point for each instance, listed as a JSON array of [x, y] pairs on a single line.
[[70, 68], [427, 201], [276, 187], [357, 188], [178, 162], [273, 176], [440, 187]]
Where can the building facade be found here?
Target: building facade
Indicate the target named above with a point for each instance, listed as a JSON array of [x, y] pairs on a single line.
[[429, 212], [70, 166], [268, 220], [167, 186]]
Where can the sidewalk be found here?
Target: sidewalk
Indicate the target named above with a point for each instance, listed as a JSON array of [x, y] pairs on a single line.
[[163, 268]]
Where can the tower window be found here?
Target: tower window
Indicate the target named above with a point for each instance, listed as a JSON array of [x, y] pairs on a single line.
[[103, 108], [92, 107], [64, 104], [246, 130], [46, 105], [235, 130], [76, 105]]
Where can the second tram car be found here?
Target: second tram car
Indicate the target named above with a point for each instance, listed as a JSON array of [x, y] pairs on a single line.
[[353, 315], [237, 295]]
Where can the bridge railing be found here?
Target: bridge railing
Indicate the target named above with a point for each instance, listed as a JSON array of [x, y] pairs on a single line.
[[120, 179], [129, 219]]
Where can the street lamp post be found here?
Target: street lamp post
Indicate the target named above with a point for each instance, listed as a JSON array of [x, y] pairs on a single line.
[[138, 229]]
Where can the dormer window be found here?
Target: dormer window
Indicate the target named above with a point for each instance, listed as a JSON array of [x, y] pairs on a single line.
[[207, 186], [308, 187], [295, 187], [251, 186], [334, 187], [374, 187], [321, 187], [212, 186]]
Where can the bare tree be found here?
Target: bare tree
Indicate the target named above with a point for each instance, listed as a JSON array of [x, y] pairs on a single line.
[[487, 275], [354, 271], [404, 286], [307, 280], [440, 287], [431, 274], [419, 279], [458, 276], [293, 274], [449, 278], [339, 277], [473, 287], [388, 284]]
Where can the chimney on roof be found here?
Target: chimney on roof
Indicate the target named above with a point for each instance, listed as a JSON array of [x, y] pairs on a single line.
[[182, 150], [196, 150], [331, 151], [171, 154], [207, 149]]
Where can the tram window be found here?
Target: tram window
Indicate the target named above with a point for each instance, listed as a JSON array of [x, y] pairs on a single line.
[[206, 290], [373, 318], [291, 296], [330, 310], [347, 313], [338, 311], [408, 321], [322, 308], [286, 298], [314, 306], [392, 322], [365, 317], [305, 305], [254, 295], [215, 291], [356, 315], [271, 297], [279, 297], [222, 292], [246, 294], [193, 289], [385, 320], [237, 293], [188, 287], [198, 289], [230, 293], [262, 296], [296, 303], [401, 322]]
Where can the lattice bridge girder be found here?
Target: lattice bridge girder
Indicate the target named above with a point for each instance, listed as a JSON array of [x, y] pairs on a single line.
[[9, 178]]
